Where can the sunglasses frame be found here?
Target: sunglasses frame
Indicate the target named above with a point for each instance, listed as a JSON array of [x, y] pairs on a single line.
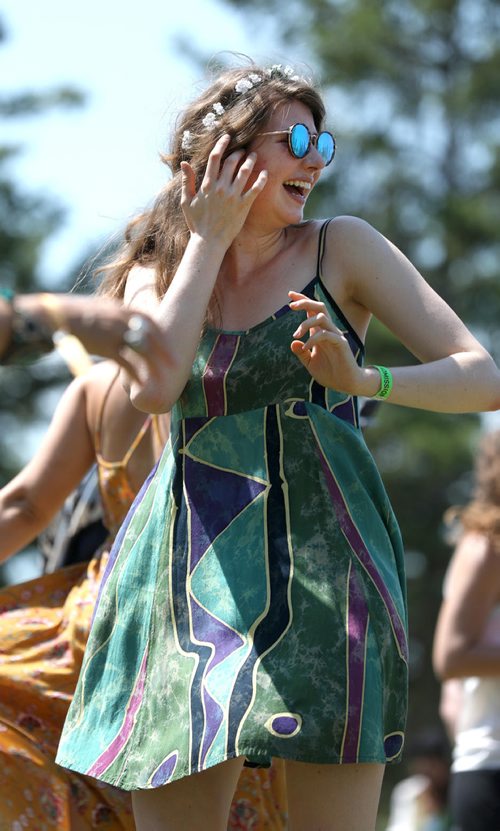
[[313, 140]]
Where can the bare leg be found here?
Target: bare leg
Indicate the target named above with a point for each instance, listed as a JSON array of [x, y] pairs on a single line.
[[200, 802], [333, 797]]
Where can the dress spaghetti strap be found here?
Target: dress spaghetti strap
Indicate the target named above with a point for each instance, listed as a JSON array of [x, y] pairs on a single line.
[[321, 246]]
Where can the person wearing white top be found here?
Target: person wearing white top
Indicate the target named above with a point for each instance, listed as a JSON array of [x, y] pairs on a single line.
[[467, 647]]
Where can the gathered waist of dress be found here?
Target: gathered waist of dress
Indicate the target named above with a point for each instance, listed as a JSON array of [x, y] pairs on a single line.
[[329, 400]]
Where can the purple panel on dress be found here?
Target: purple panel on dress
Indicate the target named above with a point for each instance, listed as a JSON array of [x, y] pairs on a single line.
[[191, 427], [119, 742], [393, 744], [357, 623], [207, 628], [345, 411], [214, 717], [225, 640], [216, 369], [284, 725], [283, 311], [164, 772], [359, 548], [215, 497]]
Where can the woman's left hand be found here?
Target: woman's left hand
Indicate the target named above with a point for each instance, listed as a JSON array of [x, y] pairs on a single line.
[[326, 353]]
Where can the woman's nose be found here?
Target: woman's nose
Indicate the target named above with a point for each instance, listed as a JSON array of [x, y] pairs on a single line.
[[314, 158]]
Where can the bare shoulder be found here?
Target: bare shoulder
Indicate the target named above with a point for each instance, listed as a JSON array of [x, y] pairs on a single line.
[[96, 384], [101, 373], [475, 549], [475, 562], [347, 241], [353, 240], [141, 280], [348, 227], [349, 254]]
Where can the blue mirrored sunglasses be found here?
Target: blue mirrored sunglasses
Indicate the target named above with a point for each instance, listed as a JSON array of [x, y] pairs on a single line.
[[300, 139]]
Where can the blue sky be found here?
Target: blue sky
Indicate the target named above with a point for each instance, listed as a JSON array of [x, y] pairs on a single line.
[[101, 162]]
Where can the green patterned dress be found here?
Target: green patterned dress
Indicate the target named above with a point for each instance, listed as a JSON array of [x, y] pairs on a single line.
[[253, 604]]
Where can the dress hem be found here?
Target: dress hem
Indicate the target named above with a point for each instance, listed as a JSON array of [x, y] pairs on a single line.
[[252, 754]]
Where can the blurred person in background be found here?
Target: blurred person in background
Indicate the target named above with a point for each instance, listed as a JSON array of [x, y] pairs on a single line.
[[467, 649], [420, 801], [44, 623]]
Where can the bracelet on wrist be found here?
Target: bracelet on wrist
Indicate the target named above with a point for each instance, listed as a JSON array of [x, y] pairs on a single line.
[[385, 389]]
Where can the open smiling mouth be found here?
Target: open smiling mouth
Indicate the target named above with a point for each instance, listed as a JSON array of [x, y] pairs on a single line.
[[297, 187]]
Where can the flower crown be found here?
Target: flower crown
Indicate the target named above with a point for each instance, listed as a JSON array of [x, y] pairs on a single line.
[[244, 85]]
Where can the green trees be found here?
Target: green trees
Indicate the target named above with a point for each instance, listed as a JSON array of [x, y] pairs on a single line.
[[26, 221]]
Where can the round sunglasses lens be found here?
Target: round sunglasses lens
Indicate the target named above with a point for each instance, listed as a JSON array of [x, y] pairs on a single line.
[[326, 147], [299, 140]]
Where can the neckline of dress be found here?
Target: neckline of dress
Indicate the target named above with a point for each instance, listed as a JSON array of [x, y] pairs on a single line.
[[283, 310]]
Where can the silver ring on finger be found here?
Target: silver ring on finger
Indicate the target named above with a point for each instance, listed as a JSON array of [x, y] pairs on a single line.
[[136, 333]]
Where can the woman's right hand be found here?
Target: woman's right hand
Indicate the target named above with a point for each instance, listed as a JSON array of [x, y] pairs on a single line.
[[218, 210]]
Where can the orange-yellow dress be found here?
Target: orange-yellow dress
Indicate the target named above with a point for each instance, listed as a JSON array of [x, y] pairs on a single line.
[[44, 625]]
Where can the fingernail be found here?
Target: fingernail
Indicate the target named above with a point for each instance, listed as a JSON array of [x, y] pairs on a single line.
[[296, 333]]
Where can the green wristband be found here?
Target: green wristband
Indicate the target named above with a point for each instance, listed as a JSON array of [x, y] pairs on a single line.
[[385, 382]]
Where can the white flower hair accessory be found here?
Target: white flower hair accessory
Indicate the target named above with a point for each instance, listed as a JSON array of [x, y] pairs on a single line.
[[244, 85], [248, 82], [211, 120], [277, 69], [186, 140]]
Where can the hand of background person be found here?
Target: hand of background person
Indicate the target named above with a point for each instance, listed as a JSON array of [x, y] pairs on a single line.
[[111, 330], [105, 327]]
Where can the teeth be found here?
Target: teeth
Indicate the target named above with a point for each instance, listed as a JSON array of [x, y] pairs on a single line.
[[297, 183]]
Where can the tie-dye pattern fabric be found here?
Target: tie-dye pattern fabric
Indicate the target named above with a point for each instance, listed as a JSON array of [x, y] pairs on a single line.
[[254, 602]]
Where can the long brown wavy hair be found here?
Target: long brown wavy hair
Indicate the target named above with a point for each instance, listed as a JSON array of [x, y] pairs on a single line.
[[482, 512], [158, 237]]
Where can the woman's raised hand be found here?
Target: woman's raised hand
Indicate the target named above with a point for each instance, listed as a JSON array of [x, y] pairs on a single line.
[[218, 210], [326, 353]]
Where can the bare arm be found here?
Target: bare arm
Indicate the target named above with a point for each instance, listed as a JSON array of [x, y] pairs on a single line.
[[456, 373], [472, 591], [98, 322], [214, 215], [33, 497]]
